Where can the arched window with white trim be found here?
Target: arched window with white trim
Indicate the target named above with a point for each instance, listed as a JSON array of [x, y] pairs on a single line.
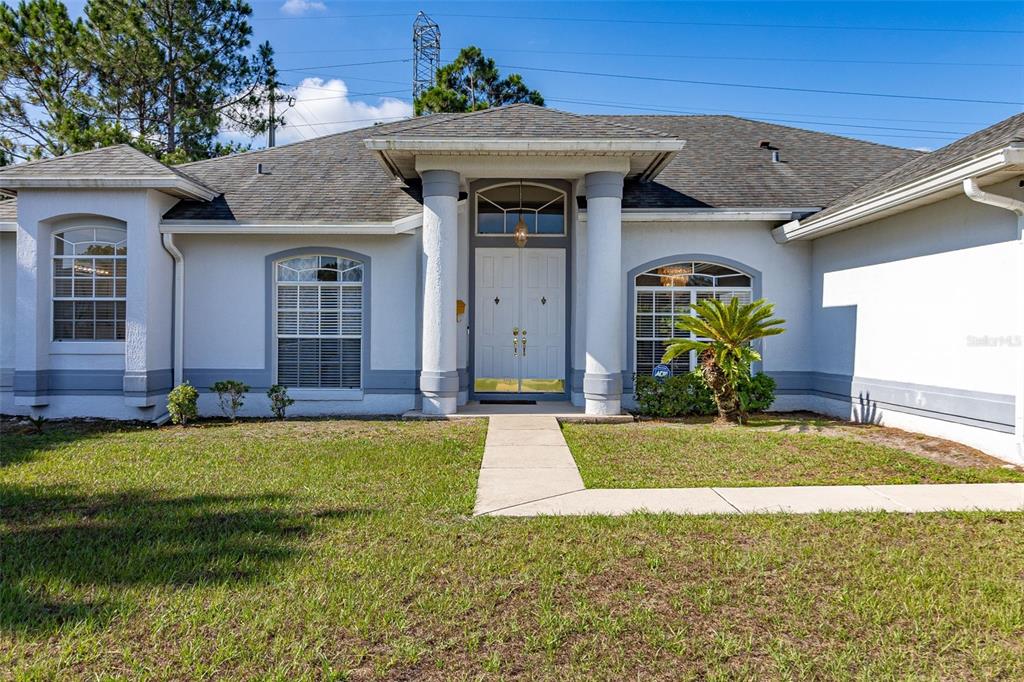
[[90, 276], [319, 321], [543, 209], [666, 292]]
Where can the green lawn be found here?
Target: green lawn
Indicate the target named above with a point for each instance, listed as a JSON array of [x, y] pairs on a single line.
[[344, 550], [683, 455]]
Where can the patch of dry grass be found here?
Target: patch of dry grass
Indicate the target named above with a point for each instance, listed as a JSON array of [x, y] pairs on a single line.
[[771, 450]]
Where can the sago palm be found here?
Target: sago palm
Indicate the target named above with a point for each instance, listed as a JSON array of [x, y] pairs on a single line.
[[725, 355]]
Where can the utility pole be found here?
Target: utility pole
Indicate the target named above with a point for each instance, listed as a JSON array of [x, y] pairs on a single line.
[[271, 134]]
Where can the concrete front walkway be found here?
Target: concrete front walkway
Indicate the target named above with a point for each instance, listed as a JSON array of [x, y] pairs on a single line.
[[528, 470]]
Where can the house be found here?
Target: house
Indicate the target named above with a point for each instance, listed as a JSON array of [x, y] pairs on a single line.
[[520, 253]]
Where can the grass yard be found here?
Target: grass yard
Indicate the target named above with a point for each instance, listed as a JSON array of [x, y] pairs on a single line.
[[344, 550], [770, 450]]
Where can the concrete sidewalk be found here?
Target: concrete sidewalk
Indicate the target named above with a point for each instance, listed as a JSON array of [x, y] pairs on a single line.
[[527, 470]]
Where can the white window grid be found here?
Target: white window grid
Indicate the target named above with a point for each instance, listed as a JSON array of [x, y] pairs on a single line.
[[507, 226], [319, 322], [89, 285], [656, 310]]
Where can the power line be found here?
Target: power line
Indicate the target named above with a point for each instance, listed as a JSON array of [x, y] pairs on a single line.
[[341, 66], [722, 84], [800, 27], [657, 22], [654, 55], [940, 134], [750, 59]]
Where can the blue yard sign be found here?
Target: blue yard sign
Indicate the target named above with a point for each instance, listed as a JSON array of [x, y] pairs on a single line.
[[661, 372]]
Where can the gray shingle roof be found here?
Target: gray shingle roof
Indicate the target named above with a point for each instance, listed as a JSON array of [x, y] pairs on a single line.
[[8, 210], [723, 165], [115, 161], [524, 121], [329, 179], [999, 135], [336, 179]]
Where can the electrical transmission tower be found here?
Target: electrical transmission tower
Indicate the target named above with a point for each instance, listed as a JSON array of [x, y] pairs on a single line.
[[426, 52]]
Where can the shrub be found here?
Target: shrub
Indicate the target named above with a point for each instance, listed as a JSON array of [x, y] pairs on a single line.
[[279, 400], [230, 397], [687, 395], [181, 403], [757, 393], [682, 395]]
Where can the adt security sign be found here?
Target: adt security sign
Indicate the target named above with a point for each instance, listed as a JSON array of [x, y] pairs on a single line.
[[661, 372]]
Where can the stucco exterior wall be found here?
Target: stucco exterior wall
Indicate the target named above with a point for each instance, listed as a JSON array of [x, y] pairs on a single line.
[[8, 268], [782, 275], [227, 324], [915, 322], [117, 379]]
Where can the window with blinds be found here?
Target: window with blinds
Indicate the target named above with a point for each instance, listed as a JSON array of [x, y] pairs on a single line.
[[90, 275], [668, 291], [319, 318]]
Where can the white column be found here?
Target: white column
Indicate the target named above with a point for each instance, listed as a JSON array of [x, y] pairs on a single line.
[[602, 381], [439, 378]]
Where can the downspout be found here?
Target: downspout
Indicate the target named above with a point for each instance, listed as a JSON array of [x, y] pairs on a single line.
[[178, 350], [975, 193]]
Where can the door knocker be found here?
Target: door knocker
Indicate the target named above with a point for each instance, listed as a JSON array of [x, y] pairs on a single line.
[[497, 300], [543, 300]]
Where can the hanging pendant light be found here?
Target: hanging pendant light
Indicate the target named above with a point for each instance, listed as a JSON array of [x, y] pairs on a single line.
[[520, 233]]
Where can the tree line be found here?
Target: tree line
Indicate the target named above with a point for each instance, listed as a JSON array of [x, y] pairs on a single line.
[[165, 76]]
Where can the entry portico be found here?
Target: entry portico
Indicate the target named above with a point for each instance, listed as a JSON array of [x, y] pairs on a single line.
[[593, 159]]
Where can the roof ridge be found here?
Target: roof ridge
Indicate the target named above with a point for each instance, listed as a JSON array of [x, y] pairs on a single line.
[[659, 133], [467, 114], [84, 152], [319, 138]]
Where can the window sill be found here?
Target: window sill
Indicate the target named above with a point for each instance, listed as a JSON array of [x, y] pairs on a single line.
[[325, 394], [87, 348]]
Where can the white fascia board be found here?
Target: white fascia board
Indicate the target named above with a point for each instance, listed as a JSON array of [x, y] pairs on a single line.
[[708, 214], [524, 145], [8, 227], [901, 196], [186, 188], [400, 226]]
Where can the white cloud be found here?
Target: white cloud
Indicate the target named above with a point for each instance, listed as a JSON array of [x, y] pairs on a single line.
[[298, 8], [323, 107]]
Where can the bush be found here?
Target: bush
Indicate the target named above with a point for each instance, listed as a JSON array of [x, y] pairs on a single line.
[[230, 397], [181, 403], [757, 393], [279, 400], [687, 395], [682, 395]]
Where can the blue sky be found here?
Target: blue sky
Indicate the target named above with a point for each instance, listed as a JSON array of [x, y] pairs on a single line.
[[320, 43]]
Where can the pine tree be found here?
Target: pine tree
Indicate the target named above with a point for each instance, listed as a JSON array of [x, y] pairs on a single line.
[[175, 72], [42, 79], [472, 82]]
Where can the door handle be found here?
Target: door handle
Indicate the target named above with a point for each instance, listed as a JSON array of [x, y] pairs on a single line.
[[524, 343], [515, 342]]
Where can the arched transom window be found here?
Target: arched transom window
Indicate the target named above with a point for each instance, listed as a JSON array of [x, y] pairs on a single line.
[[319, 309], [668, 291], [543, 209], [90, 271]]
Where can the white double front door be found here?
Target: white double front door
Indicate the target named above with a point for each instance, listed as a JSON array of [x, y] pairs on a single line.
[[519, 331]]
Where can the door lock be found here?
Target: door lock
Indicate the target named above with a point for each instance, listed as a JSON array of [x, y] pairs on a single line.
[[515, 342], [524, 343]]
